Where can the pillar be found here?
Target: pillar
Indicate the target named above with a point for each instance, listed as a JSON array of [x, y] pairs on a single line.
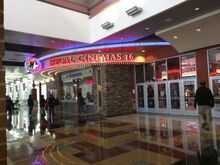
[[3, 148], [112, 86], [202, 66]]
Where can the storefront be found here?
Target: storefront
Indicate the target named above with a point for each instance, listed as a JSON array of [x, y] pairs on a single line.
[[167, 85]]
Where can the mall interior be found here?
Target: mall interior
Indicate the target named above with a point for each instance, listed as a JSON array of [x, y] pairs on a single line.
[[118, 78]]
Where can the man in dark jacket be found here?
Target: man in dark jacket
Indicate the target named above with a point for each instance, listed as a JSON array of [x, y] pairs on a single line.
[[205, 101], [30, 105], [9, 107], [52, 104]]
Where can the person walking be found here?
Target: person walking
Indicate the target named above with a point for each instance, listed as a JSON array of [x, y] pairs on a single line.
[[80, 102], [42, 104], [205, 101], [30, 104], [52, 104], [9, 107]]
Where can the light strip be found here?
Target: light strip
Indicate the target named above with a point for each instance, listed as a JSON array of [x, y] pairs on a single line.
[[104, 47]]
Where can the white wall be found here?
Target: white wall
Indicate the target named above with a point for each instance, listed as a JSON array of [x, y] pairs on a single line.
[[117, 15], [35, 17]]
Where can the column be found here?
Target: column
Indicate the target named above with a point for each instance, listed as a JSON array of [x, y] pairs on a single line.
[[112, 87], [3, 150]]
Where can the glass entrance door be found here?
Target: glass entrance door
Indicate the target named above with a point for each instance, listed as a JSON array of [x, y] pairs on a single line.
[[140, 97], [215, 87], [151, 96], [162, 96], [189, 89], [174, 88]]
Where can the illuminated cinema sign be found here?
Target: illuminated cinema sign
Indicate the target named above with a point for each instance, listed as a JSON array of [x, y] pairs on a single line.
[[96, 58], [33, 65]]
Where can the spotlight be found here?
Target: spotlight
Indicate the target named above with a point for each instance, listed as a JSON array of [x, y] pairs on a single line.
[[107, 25], [133, 11]]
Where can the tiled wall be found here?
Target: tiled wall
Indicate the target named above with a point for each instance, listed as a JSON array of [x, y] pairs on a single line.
[[3, 151], [116, 89]]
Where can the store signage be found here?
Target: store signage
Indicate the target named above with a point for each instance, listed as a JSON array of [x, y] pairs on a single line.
[[92, 59], [33, 65], [71, 75]]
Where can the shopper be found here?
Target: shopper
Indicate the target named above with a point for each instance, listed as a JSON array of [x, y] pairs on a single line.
[[42, 104], [9, 107], [30, 104], [205, 101], [80, 102], [52, 104]]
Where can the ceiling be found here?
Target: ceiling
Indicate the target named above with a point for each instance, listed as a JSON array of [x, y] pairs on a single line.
[[19, 44]]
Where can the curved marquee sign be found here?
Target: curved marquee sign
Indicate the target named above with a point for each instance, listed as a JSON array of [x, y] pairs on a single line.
[[93, 58]]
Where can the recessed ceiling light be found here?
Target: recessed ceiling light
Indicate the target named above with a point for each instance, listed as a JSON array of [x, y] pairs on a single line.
[[122, 38], [197, 8], [52, 41], [147, 28], [175, 36], [198, 29], [143, 51], [168, 20]]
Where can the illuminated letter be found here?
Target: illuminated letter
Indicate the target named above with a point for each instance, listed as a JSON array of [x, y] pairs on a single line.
[[113, 58], [80, 58], [119, 57]]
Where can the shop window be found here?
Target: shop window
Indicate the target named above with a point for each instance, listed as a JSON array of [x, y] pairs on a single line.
[[188, 66], [139, 73], [173, 68], [161, 70], [214, 62], [149, 72]]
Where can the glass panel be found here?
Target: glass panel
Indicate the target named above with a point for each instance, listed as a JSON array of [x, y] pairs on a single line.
[[139, 73], [192, 135], [162, 100], [140, 95], [173, 68], [164, 133], [189, 93], [175, 95], [216, 93], [161, 70], [214, 62], [149, 72], [177, 134], [150, 96], [188, 66]]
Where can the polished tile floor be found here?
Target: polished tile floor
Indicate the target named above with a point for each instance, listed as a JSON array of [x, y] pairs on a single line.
[[135, 139]]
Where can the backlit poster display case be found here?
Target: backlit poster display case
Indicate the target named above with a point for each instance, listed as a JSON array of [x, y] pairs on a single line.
[[188, 66], [161, 70], [214, 63], [173, 67], [216, 93], [149, 72], [189, 93]]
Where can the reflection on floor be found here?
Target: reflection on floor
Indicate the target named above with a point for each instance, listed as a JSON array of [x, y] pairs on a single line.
[[123, 140]]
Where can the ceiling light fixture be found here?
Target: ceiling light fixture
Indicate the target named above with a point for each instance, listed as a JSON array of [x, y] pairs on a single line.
[[147, 28], [52, 41], [175, 36], [107, 25], [197, 8], [122, 38], [134, 11], [198, 29], [143, 51]]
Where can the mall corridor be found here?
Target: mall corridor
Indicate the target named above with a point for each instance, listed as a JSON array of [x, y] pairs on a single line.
[[109, 82]]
